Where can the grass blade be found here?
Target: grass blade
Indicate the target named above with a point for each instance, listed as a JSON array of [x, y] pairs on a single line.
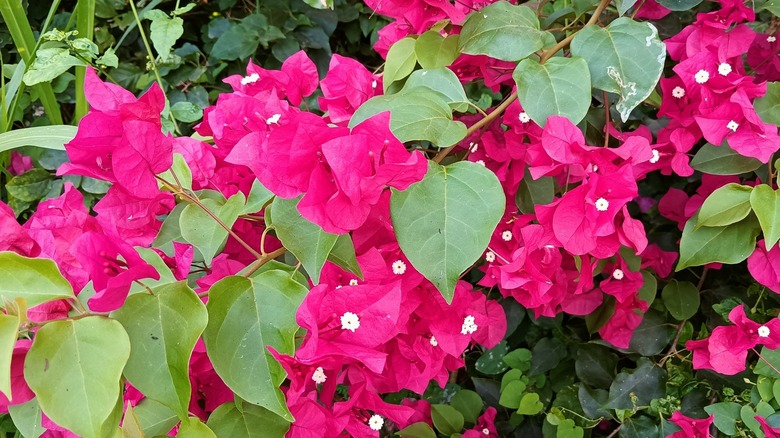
[[49, 137]]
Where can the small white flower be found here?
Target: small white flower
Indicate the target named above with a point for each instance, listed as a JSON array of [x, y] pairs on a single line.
[[602, 204], [373, 84], [353, 282], [763, 331], [506, 235], [376, 422], [399, 267], [733, 125], [617, 274], [771, 39], [473, 147], [490, 257], [434, 342], [678, 92], [480, 162], [350, 321], [656, 157], [251, 79], [486, 431], [523, 117], [273, 119], [724, 69], [319, 376], [468, 326], [702, 76]]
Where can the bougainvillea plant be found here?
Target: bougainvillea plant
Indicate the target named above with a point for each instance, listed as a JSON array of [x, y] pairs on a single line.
[[468, 241]]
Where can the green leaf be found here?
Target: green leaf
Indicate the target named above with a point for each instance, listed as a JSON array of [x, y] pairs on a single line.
[[722, 160], [492, 361], [163, 329], [343, 254], [241, 40], [9, 331], [258, 197], [652, 335], [726, 416], [36, 280], [533, 192], [47, 137], [194, 428], [766, 204], [679, 5], [201, 230], [131, 427], [444, 222], [639, 427], [245, 316], [164, 32], [74, 368], [512, 394], [306, 240], [530, 404], [502, 31], [725, 206], [182, 171], [519, 359], [244, 420], [415, 114], [417, 430], [50, 63], [442, 81], [768, 363], [772, 6], [433, 50], [400, 61], [561, 86], [185, 111], [468, 403], [730, 244], [624, 5], [30, 186], [768, 106], [546, 355], [646, 383], [681, 299], [446, 419], [625, 58], [27, 418], [155, 418], [595, 365]]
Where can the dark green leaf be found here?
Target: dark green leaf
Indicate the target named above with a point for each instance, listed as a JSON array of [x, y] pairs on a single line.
[[30, 186], [681, 299], [417, 430], [652, 335], [645, 383], [444, 222], [547, 354], [595, 365], [639, 427], [679, 5], [468, 403], [492, 361], [502, 31], [722, 160], [561, 86], [533, 192]]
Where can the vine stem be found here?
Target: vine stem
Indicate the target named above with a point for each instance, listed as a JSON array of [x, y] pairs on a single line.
[[512, 97]]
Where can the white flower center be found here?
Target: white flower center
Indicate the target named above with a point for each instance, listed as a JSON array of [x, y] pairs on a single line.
[[771, 39], [702, 76], [434, 342], [656, 157], [724, 69], [273, 119], [733, 125], [251, 79], [376, 422], [490, 257], [468, 326], [486, 431], [763, 331], [523, 117], [602, 204], [473, 147], [319, 376], [353, 282], [350, 321], [506, 235], [373, 84], [480, 162], [678, 92], [617, 274], [399, 267]]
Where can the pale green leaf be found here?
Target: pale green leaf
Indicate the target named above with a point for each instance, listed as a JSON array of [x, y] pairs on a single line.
[[502, 31], [155, 419], [258, 197], [50, 63], [726, 205], [248, 421], [442, 81], [27, 418], [625, 58], [246, 315], [561, 86], [9, 330], [766, 204], [47, 137], [306, 240], [74, 368], [768, 106], [131, 427], [730, 244], [202, 230], [434, 50], [36, 280], [164, 32], [194, 428], [444, 222], [181, 169], [400, 61], [163, 329]]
